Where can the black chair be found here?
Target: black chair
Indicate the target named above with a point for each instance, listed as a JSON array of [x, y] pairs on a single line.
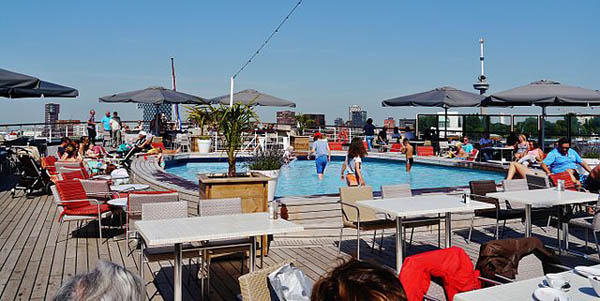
[[479, 189]]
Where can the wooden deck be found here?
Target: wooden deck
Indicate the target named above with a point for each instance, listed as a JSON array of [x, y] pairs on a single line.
[[36, 258]]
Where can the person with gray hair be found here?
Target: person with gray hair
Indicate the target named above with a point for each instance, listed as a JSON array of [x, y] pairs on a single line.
[[108, 281]]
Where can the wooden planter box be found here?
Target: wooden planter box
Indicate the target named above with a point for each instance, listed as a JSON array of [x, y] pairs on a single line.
[[252, 188], [301, 145]]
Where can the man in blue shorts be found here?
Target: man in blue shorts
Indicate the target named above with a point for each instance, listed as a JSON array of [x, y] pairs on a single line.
[[322, 153], [563, 158]]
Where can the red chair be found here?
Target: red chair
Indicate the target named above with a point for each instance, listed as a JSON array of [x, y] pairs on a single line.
[[158, 145], [453, 266], [74, 205], [396, 148], [335, 146], [473, 155], [76, 174], [569, 184], [425, 151]]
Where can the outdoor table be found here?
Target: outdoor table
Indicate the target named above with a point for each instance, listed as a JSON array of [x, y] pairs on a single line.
[[500, 162], [205, 228], [581, 289], [129, 187], [422, 205], [502, 149], [544, 198], [118, 202]]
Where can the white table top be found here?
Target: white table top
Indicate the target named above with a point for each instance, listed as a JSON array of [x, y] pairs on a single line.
[[581, 290], [544, 197], [502, 147], [183, 230], [119, 202], [505, 162], [423, 204], [129, 187]]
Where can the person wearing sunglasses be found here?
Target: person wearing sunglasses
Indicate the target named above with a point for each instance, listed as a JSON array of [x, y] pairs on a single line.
[[563, 158], [466, 145]]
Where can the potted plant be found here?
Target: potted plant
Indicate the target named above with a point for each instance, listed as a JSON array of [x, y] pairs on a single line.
[[267, 163], [202, 118], [232, 122]]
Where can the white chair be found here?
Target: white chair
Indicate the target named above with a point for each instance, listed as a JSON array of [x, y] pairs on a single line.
[[444, 147], [183, 141], [515, 185], [158, 211], [135, 201]]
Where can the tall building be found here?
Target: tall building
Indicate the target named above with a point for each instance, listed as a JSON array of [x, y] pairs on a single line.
[[339, 121], [389, 123], [286, 117], [318, 119], [352, 109], [51, 116], [358, 119]]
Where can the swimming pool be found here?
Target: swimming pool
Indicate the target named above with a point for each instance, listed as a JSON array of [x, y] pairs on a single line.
[[300, 178]]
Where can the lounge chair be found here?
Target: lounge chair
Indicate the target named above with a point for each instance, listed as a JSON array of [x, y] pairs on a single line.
[[75, 205], [360, 218]]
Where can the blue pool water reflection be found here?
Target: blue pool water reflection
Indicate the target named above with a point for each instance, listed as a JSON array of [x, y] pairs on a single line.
[[300, 178]]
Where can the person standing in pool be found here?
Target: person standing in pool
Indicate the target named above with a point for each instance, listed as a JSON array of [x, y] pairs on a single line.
[[408, 150], [369, 130], [353, 163], [322, 154]]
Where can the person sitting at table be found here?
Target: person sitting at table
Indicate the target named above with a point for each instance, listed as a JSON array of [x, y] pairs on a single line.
[[534, 154], [566, 159], [359, 280], [459, 153], [396, 134], [467, 146], [408, 134], [486, 147], [521, 147], [382, 139]]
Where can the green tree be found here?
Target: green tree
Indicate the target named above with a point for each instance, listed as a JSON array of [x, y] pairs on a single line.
[[233, 122]]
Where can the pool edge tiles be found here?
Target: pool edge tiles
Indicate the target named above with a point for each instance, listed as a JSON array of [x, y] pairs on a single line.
[[451, 168]]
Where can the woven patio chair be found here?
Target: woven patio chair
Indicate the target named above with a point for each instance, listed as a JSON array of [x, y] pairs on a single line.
[[404, 191], [360, 219], [158, 211], [254, 287], [137, 198], [220, 247]]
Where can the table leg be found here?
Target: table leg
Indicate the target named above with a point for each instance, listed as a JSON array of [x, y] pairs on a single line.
[[558, 226], [527, 220], [399, 244], [252, 253], [448, 230], [177, 274]]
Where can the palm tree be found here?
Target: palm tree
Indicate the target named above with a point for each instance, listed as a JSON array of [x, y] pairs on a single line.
[[201, 116], [302, 122], [233, 121]]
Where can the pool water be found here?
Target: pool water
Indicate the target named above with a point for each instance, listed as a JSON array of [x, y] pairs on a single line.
[[300, 177]]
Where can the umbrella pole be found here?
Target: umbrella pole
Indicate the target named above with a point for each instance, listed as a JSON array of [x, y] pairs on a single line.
[[543, 127], [446, 123], [231, 92]]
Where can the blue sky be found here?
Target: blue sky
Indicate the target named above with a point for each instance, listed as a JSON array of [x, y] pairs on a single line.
[[331, 54]]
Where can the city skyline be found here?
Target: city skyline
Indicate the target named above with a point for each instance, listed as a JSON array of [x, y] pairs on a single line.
[[327, 56]]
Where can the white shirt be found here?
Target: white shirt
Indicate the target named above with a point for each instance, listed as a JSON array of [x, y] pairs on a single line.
[[351, 164], [114, 125]]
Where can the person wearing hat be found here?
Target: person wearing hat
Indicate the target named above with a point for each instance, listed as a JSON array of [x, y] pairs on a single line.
[[322, 153]]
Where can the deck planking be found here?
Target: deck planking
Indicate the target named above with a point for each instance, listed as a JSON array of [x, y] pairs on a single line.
[[37, 256]]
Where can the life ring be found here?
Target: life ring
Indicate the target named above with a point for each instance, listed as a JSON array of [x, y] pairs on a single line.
[[343, 136]]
